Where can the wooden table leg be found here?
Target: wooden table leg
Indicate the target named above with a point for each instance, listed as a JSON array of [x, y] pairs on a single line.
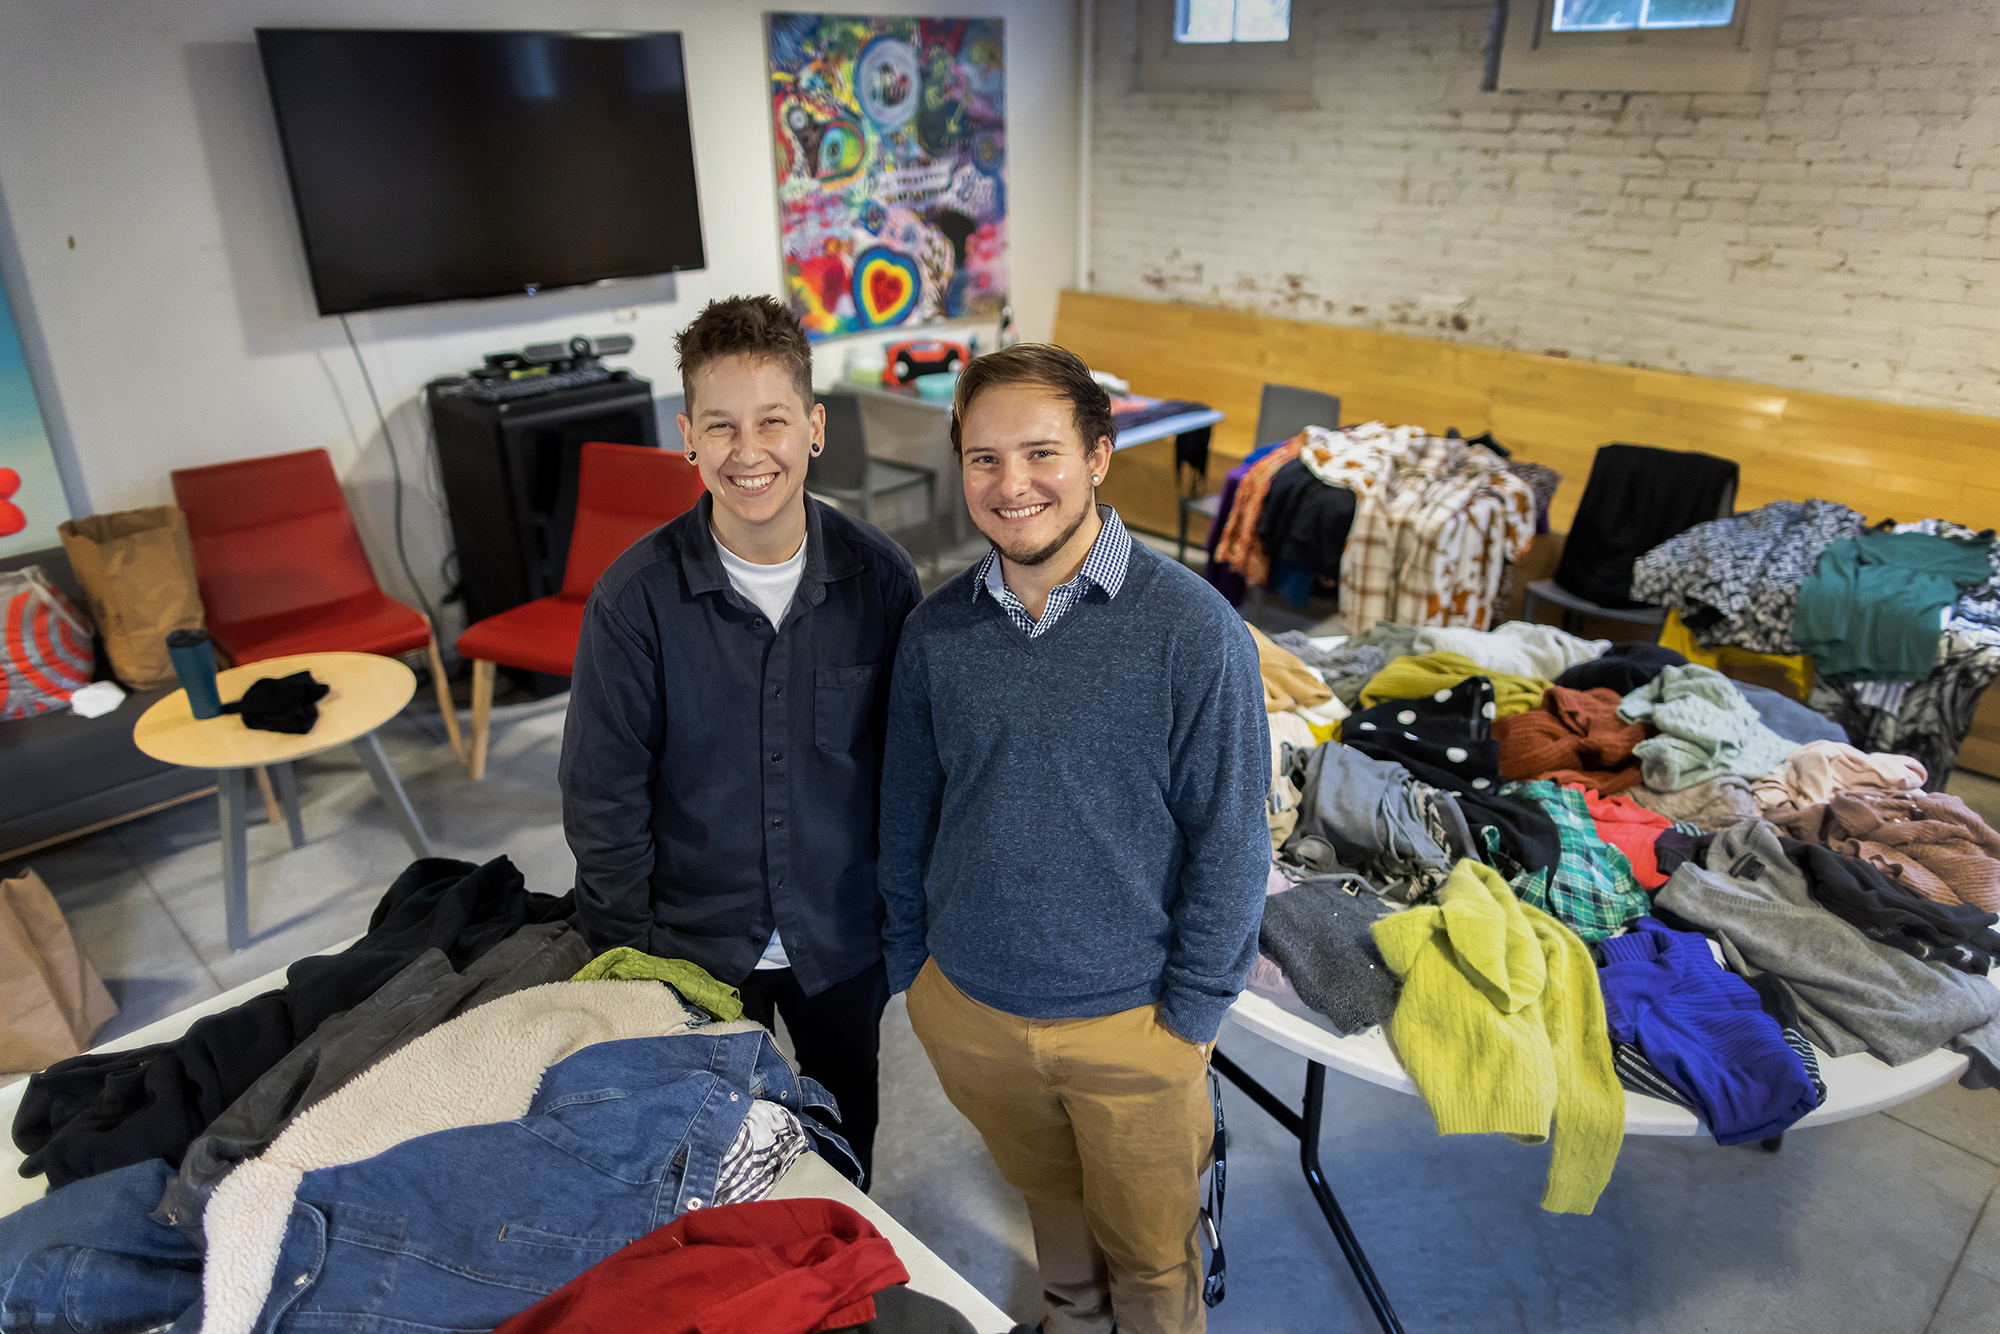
[[232, 800], [288, 797], [271, 813], [377, 765]]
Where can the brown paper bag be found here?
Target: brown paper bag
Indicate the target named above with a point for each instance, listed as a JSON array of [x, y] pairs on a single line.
[[136, 569], [51, 999]]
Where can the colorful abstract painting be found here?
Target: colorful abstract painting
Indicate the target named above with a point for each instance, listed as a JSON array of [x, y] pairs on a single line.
[[892, 168], [31, 495]]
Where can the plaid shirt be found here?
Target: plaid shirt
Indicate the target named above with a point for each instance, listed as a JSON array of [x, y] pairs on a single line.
[[1594, 892], [1104, 567]]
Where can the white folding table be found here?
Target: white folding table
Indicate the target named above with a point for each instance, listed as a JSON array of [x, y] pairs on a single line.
[[1855, 1086]]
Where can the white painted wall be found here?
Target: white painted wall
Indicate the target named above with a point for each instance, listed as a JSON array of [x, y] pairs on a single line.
[[1836, 233], [180, 329]]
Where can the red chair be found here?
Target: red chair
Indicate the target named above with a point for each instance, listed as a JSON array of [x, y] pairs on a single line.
[[623, 493], [282, 571]]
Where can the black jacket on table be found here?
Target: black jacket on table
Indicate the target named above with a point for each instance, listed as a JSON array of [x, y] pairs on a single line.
[[719, 777]]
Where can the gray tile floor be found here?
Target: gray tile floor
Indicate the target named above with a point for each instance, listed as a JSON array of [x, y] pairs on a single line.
[[1886, 1223]]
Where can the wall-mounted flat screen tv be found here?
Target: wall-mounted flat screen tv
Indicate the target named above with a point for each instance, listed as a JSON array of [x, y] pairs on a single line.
[[432, 166]]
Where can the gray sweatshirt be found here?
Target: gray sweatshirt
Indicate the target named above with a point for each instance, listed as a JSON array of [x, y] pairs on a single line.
[[1854, 993]]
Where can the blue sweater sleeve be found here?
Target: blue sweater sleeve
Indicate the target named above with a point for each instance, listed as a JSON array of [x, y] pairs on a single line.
[[912, 795], [1220, 762], [610, 762]]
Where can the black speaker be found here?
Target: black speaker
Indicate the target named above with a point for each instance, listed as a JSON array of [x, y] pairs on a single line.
[[509, 470]]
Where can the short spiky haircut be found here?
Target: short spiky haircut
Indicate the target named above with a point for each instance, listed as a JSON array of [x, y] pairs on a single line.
[[1042, 364], [752, 326]]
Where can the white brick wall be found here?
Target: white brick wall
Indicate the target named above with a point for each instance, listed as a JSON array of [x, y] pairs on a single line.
[[1836, 233]]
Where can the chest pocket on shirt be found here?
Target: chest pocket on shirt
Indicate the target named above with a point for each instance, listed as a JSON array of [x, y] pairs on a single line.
[[843, 705]]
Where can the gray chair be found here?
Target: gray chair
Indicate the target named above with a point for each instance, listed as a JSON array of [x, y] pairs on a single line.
[[1283, 413], [846, 471]]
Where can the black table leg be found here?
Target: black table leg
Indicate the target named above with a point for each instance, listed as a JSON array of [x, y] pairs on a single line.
[[1306, 1128]]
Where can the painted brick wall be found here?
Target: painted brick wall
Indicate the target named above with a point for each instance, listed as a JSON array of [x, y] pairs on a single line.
[[1836, 233]]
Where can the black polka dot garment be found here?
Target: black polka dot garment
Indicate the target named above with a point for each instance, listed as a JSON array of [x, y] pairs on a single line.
[[1444, 739]]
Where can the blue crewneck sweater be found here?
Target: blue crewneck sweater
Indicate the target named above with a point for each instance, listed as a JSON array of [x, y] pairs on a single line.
[[1073, 825]]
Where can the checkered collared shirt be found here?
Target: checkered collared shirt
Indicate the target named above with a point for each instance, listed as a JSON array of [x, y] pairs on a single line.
[[1104, 566]]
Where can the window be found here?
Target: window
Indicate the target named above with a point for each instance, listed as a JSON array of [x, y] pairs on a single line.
[[1625, 15], [1232, 20], [1639, 46], [1225, 46]]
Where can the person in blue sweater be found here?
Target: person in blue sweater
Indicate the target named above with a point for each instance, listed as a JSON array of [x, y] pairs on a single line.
[[1073, 847]]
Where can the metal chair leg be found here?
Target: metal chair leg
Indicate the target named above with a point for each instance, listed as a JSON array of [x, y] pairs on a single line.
[[288, 797], [230, 800], [369, 748]]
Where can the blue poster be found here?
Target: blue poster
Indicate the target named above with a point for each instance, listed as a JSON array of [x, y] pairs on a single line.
[[31, 495]]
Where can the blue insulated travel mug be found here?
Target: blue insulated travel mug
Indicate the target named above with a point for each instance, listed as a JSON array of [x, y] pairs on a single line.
[[194, 663]]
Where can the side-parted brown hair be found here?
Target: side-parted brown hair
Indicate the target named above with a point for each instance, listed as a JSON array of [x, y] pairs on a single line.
[[754, 326], [1043, 364]]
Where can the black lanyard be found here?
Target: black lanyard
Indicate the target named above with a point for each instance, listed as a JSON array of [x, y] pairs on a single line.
[[1211, 1214]]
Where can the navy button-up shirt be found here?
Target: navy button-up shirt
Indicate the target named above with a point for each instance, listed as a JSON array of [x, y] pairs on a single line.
[[720, 777]]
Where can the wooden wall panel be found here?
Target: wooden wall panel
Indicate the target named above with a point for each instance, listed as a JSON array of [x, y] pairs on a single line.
[[1886, 460], [1881, 458]]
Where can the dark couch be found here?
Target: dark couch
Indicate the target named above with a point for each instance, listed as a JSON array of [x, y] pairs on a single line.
[[64, 773]]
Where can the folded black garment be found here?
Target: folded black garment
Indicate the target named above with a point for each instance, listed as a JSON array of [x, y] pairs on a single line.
[[1622, 667], [1304, 522], [1444, 739], [1952, 934], [281, 703], [1522, 826], [436, 903], [1636, 498], [1675, 846], [101, 1111], [1323, 937]]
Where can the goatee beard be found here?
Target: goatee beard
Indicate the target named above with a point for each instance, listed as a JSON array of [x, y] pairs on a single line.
[[1044, 553]]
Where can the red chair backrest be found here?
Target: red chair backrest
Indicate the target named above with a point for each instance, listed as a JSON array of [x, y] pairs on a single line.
[[271, 535], [623, 492]]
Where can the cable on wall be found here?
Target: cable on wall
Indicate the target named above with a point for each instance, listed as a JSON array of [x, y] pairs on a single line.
[[395, 466]]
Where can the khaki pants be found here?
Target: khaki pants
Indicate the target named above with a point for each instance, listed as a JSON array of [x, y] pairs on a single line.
[[1105, 1126]]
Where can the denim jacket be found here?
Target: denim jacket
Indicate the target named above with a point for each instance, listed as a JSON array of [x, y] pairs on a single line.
[[465, 1228]]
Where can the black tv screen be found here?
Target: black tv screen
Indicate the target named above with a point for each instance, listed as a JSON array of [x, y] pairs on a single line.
[[429, 166]]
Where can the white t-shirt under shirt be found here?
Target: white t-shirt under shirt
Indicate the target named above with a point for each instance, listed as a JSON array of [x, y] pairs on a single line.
[[770, 588]]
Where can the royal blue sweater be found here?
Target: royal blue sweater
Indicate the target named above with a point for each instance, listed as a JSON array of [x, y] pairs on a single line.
[[1073, 825]]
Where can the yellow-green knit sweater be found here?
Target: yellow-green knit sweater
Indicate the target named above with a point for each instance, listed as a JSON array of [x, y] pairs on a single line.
[[1502, 1028]]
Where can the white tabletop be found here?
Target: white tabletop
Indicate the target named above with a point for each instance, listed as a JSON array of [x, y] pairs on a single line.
[[1855, 1085]]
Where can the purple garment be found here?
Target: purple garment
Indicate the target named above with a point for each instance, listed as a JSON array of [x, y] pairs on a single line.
[[1704, 1030]]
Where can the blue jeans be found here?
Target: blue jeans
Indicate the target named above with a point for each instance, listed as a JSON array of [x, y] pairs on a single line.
[[87, 1260], [463, 1229]]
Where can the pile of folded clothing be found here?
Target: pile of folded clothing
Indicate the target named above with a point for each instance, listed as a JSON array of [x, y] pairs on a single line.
[[465, 1085]]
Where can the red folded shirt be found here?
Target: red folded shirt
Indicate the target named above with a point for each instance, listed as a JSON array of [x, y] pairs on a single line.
[[1632, 829], [772, 1267]]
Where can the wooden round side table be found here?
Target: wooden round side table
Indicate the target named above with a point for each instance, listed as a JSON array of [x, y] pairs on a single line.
[[365, 690]]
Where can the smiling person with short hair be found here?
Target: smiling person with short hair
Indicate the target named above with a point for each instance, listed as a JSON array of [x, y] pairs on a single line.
[[1074, 847], [722, 754]]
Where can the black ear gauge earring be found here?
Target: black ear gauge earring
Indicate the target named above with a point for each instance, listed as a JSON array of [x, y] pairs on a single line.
[[690, 456]]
